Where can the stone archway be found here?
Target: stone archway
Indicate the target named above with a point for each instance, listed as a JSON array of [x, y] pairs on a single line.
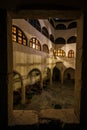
[[17, 80], [35, 83], [34, 75], [56, 75], [69, 75]]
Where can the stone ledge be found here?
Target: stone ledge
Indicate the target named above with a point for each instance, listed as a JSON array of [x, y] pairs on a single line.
[[33, 117]]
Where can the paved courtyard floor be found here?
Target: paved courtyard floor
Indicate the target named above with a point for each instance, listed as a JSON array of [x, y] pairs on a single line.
[[55, 102], [56, 96]]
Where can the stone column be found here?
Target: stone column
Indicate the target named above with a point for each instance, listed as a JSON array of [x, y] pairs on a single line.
[[23, 94], [62, 76], [41, 81], [6, 67], [51, 77]]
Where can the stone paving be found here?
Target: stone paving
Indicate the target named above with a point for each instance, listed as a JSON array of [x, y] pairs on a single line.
[[54, 96], [42, 106], [24, 117]]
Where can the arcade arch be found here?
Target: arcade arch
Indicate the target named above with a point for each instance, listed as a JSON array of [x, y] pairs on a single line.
[[69, 75]]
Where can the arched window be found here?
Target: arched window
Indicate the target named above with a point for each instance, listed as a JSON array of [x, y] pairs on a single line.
[[60, 27], [72, 39], [18, 35], [60, 40], [34, 43], [51, 37], [45, 32], [51, 22], [71, 54], [35, 23], [60, 53], [72, 25], [45, 48]]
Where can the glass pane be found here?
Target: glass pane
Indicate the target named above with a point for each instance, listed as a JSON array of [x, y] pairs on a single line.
[[20, 40], [13, 37], [14, 30], [31, 44], [24, 42], [19, 33], [34, 40]]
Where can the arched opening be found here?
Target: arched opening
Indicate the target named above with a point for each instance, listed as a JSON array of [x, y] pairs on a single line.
[[69, 76], [45, 32], [52, 38], [72, 25], [60, 40], [60, 27], [45, 48], [56, 75], [35, 23], [46, 81], [34, 75], [34, 86], [72, 39]]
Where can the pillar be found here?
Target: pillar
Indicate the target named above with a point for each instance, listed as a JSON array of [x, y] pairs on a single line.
[[62, 76], [50, 77], [41, 80], [23, 94]]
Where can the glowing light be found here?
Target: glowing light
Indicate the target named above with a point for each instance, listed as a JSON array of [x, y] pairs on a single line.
[[56, 18], [33, 45]]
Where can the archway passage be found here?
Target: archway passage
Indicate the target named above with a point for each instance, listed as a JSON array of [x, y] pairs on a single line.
[[56, 75], [69, 76]]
